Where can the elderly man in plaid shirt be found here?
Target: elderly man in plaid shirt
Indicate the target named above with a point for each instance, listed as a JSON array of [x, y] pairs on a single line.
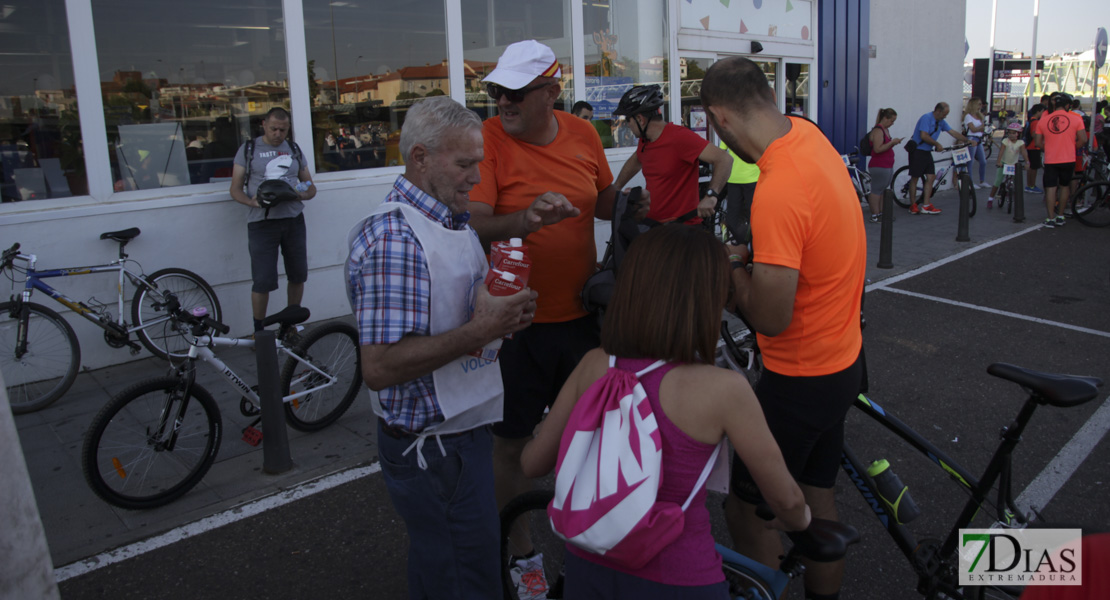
[[427, 325]]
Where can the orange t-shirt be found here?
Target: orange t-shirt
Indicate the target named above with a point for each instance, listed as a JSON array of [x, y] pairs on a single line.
[[1060, 130], [806, 217], [514, 173]]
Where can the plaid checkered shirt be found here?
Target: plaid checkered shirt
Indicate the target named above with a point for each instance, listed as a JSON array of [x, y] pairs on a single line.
[[391, 292]]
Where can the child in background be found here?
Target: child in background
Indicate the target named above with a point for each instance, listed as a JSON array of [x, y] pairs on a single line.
[[1012, 148]]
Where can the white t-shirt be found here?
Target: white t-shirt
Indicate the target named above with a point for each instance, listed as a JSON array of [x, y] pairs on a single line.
[[970, 120]]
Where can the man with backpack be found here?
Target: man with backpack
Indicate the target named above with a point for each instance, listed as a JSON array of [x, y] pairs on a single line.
[[802, 297], [668, 154], [280, 227]]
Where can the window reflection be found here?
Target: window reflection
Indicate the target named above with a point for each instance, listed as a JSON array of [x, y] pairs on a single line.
[[41, 154], [184, 84], [626, 45], [369, 60], [489, 26]]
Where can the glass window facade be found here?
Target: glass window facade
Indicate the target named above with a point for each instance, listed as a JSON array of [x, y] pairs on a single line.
[[41, 151], [491, 25], [184, 84], [626, 45], [368, 62]]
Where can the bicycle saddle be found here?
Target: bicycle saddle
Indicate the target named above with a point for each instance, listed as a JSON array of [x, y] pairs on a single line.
[[124, 235], [824, 540], [1050, 388], [291, 315]]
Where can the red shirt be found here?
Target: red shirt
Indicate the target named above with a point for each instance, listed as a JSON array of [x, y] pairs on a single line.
[[1060, 130], [670, 166]]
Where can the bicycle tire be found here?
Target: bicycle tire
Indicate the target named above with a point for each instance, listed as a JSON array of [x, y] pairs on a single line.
[[988, 146], [122, 457], [899, 184], [1095, 210], [47, 369], [972, 204], [165, 337], [533, 507], [1002, 191], [332, 348]]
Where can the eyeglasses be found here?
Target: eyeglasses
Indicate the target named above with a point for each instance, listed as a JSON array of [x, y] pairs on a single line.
[[515, 96]]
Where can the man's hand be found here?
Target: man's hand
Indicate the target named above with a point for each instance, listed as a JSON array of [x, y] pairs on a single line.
[[706, 207], [548, 209], [499, 316], [643, 207]]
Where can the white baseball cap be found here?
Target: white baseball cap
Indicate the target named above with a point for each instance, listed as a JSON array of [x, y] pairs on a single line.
[[522, 62]]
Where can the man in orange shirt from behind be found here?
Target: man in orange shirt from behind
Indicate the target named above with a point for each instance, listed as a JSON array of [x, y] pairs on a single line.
[[802, 297], [1059, 132]]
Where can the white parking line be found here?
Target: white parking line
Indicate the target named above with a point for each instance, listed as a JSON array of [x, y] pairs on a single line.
[[216, 521], [995, 311], [933, 265], [1056, 474]]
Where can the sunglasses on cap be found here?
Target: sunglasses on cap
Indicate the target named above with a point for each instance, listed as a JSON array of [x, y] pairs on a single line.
[[495, 91]]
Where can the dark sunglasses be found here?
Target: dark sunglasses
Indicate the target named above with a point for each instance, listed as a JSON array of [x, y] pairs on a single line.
[[515, 96]]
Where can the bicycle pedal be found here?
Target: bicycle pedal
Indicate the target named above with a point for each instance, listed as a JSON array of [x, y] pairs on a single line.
[[252, 436]]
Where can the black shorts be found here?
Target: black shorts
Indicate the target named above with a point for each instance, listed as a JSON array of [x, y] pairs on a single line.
[[806, 416], [921, 163], [264, 238], [1035, 161], [1057, 175], [534, 366]]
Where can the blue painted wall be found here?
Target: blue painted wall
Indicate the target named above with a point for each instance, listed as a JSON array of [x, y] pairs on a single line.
[[842, 62]]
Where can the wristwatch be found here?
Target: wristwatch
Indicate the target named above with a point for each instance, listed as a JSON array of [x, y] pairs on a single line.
[[710, 192]]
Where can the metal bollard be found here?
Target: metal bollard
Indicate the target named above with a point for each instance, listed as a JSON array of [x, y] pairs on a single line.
[[886, 235], [1019, 192], [275, 439], [965, 206]]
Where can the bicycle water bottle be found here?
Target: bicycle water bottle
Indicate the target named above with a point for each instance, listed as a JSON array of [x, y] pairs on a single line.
[[893, 492]]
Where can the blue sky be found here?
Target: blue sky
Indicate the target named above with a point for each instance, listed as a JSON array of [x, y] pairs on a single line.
[[1063, 26]]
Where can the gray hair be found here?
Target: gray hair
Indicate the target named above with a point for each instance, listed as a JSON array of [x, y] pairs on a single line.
[[429, 120]]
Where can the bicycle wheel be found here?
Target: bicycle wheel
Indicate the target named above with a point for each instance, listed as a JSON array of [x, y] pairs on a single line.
[[1003, 192], [43, 371], [743, 583], [1091, 204], [963, 180], [988, 146], [332, 348], [900, 185], [531, 508], [149, 446], [157, 331]]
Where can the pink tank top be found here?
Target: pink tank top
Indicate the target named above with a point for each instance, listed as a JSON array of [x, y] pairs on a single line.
[[883, 160], [691, 560]]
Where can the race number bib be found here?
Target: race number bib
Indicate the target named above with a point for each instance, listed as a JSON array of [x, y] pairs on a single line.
[[844, 157], [961, 156], [1008, 169]]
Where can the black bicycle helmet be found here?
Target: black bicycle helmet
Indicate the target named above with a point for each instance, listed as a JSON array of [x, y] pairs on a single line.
[[1061, 100], [273, 192], [640, 99]]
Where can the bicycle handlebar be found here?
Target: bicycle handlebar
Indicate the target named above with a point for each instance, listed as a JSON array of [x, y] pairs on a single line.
[[10, 255], [173, 306]]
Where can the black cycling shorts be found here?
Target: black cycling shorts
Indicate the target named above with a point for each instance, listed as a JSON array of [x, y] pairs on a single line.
[[1057, 175], [806, 416], [1035, 160], [534, 366], [921, 163]]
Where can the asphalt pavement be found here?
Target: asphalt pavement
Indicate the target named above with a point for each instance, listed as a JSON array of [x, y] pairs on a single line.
[[1015, 293]]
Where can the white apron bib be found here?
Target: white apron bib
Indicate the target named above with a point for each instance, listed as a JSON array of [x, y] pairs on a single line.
[[468, 389]]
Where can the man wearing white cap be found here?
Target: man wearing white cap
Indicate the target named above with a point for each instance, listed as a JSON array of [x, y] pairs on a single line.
[[544, 178]]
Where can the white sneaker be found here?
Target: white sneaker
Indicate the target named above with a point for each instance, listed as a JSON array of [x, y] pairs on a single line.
[[529, 579]]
